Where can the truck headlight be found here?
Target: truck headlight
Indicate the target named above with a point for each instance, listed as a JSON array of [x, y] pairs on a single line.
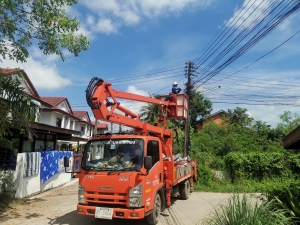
[[135, 196], [81, 191]]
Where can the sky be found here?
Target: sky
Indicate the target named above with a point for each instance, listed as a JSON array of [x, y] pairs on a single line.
[[142, 47]]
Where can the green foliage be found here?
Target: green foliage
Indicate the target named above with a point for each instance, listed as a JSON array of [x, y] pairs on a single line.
[[289, 122], [178, 140], [261, 165], [250, 150], [200, 107], [150, 112], [239, 116], [244, 210], [45, 22], [6, 181], [288, 197], [233, 138], [16, 107], [205, 176]]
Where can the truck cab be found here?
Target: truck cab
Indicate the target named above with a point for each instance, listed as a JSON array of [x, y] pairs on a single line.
[[118, 180]]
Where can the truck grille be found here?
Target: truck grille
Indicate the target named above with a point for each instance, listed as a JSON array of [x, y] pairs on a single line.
[[98, 198]]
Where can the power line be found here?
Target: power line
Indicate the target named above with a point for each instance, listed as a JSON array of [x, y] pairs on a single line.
[[280, 11]]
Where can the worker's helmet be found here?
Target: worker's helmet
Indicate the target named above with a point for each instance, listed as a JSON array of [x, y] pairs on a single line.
[[175, 83]]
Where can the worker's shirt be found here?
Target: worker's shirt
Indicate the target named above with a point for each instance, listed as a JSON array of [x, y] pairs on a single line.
[[175, 90]]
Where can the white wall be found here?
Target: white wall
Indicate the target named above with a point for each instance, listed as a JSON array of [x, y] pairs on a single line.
[[45, 118], [26, 186]]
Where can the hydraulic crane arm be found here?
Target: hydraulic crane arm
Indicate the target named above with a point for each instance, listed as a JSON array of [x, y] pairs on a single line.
[[100, 96]]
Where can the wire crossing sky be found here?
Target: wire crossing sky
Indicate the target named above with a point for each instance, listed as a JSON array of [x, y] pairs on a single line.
[[249, 25], [248, 47]]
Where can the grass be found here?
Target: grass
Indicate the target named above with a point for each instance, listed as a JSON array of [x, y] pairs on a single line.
[[7, 201], [244, 210], [242, 186]]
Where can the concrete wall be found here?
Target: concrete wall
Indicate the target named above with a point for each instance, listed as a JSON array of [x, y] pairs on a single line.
[[46, 118], [26, 186]]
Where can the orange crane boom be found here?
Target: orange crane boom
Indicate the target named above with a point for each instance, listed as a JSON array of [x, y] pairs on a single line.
[[100, 95]]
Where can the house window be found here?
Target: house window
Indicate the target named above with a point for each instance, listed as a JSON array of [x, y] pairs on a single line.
[[27, 146], [58, 122], [82, 130], [71, 125]]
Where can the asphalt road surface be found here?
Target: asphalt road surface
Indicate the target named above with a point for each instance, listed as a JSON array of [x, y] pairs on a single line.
[[58, 206]]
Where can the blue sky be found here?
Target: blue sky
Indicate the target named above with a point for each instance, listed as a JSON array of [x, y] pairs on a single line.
[[139, 40]]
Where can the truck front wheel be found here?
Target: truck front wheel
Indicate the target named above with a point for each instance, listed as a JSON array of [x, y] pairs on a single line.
[[153, 218], [185, 190]]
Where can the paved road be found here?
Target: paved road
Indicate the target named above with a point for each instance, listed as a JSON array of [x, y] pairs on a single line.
[[58, 206]]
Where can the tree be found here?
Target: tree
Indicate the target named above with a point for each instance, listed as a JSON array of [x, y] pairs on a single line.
[[239, 116], [17, 109], [200, 107], [149, 112], [289, 122], [44, 22]]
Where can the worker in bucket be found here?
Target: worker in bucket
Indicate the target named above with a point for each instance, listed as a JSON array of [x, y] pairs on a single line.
[[175, 89]]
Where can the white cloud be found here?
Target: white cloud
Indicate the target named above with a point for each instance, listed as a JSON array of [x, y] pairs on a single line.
[[105, 26], [249, 14], [37, 53], [152, 8], [134, 90], [113, 14], [41, 75]]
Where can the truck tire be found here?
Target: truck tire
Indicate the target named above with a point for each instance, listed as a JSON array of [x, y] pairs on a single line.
[[185, 190], [153, 218]]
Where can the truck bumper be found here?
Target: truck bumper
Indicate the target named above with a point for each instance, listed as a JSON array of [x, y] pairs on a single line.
[[120, 213]]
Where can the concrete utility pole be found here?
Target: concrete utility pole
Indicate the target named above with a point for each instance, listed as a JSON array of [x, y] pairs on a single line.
[[189, 87]]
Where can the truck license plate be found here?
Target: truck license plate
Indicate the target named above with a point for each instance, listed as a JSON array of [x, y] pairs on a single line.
[[104, 213]]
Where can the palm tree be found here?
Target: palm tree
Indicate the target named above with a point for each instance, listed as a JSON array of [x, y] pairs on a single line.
[[149, 112], [17, 109]]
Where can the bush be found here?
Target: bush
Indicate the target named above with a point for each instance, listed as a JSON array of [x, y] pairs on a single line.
[[288, 197], [6, 181], [245, 211], [205, 176], [261, 166]]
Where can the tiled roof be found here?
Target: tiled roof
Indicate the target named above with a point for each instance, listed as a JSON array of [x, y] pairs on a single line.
[[10, 71], [100, 125], [79, 114], [54, 101]]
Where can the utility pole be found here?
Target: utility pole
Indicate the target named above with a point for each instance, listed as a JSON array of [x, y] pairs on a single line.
[[189, 87]]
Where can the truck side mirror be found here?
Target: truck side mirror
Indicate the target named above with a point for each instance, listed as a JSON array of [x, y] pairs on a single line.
[[148, 163], [66, 161]]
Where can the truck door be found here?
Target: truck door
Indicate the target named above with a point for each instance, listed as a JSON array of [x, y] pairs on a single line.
[[155, 177]]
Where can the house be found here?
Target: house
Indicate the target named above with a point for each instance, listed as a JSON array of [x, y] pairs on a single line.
[[58, 128], [217, 118], [101, 127], [37, 161]]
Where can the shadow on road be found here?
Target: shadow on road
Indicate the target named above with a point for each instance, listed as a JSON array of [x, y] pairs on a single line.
[[17, 212], [72, 218]]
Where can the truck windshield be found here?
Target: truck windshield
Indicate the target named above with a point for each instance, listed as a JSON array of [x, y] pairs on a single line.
[[113, 154]]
